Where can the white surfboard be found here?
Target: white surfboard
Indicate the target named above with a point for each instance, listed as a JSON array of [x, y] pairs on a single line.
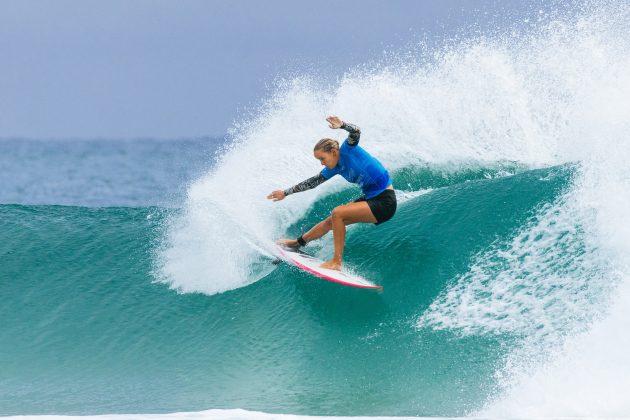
[[311, 265]]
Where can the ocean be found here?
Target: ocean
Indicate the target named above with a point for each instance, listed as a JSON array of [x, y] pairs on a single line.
[[137, 277]]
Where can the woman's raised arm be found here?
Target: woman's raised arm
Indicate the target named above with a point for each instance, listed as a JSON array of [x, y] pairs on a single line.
[[355, 132]]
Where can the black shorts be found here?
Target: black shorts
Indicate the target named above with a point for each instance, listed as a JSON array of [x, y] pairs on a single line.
[[383, 206]]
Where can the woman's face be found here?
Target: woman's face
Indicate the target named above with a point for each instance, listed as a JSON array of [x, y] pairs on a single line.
[[328, 159]]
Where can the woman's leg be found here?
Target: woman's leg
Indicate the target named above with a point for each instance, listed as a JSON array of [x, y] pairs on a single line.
[[348, 214], [316, 232]]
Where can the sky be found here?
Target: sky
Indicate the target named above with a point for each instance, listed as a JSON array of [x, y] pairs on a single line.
[[124, 69]]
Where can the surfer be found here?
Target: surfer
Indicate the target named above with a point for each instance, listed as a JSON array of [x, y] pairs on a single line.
[[376, 205]]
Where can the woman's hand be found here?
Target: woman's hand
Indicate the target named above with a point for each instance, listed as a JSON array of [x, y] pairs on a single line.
[[334, 121], [277, 195]]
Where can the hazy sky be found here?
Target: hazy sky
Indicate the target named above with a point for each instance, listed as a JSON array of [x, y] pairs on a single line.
[[172, 69]]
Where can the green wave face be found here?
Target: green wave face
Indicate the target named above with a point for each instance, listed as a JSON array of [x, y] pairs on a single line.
[[87, 329]]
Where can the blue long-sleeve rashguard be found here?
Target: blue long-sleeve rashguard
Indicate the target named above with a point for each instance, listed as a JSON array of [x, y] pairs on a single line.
[[355, 164]]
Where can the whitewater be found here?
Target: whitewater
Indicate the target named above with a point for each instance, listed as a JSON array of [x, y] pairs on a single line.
[[506, 269]]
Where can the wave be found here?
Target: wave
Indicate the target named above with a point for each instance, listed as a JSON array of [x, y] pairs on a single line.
[[104, 324], [505, 268], [555, 94]]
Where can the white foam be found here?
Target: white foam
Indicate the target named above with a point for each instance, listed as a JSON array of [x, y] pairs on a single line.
[[562, 284], [586, 377], [588, 374], [544, 281], [216, 414]]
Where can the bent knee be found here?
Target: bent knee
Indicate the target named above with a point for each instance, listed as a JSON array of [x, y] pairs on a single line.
[[337, 213]]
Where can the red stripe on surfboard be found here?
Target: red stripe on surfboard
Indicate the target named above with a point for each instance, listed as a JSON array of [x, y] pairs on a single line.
[[325, 277]]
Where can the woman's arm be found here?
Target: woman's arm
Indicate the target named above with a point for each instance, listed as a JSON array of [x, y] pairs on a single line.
[[355, 132], [308, 184]]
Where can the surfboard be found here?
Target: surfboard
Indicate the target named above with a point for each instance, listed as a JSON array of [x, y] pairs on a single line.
[[311, 265]]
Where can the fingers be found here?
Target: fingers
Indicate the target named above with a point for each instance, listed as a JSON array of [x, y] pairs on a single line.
[[334, 121], [276, 196]]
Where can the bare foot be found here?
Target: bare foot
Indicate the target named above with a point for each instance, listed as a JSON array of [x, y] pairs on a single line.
[[332, 265], [290, 243]]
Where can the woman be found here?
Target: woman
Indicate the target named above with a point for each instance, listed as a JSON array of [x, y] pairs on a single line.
[[377, 205]]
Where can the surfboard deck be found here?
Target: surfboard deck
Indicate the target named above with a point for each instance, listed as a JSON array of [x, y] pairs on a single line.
[[311, 265]]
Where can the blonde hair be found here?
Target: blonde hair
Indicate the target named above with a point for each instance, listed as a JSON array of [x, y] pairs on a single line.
[[326, 145]]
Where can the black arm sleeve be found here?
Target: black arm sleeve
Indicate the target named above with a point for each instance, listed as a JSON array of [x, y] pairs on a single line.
[[355, 133], [308, 184]]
